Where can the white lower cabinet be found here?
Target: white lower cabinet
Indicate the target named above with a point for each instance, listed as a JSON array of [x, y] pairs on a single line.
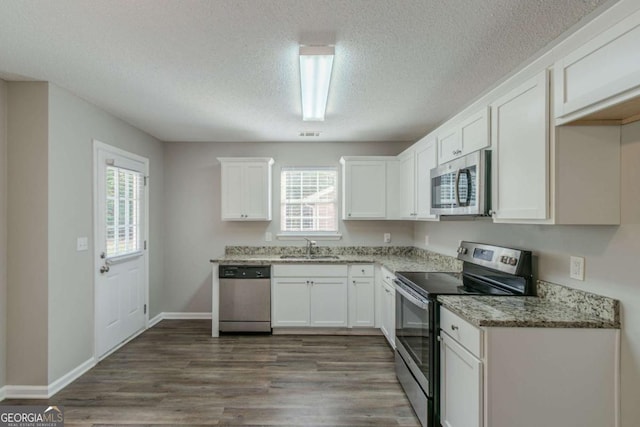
[[460, 385], [328, 301], [318, 295], [361, 296], [388, 306], [290, 302], [527, 377]]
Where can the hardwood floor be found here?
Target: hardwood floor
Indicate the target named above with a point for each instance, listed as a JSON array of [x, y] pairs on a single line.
[[175, 373]]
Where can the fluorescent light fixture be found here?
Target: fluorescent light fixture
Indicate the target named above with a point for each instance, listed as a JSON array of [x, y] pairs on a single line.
[[315, 73]]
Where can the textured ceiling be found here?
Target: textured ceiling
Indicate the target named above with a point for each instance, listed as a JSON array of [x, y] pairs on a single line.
[[227, 70]]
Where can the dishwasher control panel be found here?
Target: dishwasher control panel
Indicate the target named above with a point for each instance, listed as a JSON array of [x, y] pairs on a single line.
[[244, 272]]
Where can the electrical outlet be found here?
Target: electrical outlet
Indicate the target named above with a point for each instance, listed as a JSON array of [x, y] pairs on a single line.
[[268, 236], [426, 240], [387, 237], [576, 268]]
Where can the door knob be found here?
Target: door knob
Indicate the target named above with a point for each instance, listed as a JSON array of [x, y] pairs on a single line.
[[104, 269]]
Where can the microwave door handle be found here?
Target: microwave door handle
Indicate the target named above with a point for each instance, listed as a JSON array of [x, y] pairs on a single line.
[[455, 187], [469, 186]]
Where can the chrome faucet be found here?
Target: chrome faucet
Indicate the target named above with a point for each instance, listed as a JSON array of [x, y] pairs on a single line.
[[310, 245]]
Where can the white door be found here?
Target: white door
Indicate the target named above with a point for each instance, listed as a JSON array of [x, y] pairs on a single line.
[[120, 253]]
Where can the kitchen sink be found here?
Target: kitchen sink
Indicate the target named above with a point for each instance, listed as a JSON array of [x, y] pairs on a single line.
[[309, 257]]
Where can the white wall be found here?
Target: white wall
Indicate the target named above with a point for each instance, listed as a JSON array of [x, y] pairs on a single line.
[[3, 233], [611, 258], [73, 124], [196, 234], [27, 261]]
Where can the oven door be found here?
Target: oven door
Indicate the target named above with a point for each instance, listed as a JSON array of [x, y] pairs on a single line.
[[414, 335]]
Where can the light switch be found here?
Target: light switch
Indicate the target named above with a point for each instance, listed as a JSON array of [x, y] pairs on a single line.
[[387, 237], [268, 236], [82, 244]]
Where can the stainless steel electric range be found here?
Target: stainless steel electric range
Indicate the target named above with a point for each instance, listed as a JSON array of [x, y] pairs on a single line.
[[487, 270]]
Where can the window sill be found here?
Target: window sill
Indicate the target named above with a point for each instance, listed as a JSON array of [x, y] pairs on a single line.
[[310, 236]]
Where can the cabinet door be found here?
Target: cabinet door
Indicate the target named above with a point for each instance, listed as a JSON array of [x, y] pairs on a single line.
[[361, 302], [364, 190], [474, 132], [328, 301], [460, 386], [232, 193], [290, 302], [520, 139], [256, 191], [426, 159], [388, 326], [407, 185], [449, 145], [603, 72]]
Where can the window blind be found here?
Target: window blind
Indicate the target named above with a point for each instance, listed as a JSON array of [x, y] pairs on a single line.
[[309, 199]]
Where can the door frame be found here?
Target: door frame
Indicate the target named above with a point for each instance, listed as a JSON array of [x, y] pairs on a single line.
[[97, 146]]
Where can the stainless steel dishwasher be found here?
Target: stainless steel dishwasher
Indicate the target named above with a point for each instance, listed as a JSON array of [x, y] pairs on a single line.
[[245, 298]]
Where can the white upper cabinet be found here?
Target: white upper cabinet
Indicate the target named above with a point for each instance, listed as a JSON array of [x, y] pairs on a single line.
[[406, 188], [364, 187], [520, 142], [426, 155], [570, 175], [449, 145], [466, 136], [601, 79], [246, 188]]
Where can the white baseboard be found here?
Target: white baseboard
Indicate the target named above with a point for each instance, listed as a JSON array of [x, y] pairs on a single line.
[[71, 376], [155, 320], [42, 391], [26, 392], [178, 316], [45, 392], [186, 316]]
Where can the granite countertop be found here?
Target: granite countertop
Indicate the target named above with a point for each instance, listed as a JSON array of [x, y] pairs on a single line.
[[393, 262], [523, 312]]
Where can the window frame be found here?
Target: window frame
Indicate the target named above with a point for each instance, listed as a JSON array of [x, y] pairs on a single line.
[[318, 235]]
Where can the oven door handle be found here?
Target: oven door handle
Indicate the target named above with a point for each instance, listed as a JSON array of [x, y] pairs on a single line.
[[423, 304]]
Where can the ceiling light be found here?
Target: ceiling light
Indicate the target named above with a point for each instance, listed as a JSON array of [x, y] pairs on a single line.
[[315, 73]]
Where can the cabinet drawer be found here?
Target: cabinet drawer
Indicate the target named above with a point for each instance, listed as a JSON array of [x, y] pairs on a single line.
[[361, 270], [387, 277], [462, 331], [309, 270]]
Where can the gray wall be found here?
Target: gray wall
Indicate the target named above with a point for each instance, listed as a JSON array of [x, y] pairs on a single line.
[[192, 209], [73, 124], [27, 261], [3, 233], [50, 203], [611, 258]]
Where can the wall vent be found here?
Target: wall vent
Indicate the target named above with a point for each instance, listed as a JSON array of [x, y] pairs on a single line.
[[308, 133]]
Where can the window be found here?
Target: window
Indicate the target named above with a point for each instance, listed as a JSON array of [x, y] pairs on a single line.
[[309, 200], [124, 193]]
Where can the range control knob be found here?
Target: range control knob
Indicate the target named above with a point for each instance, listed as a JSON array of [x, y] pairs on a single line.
[[513, 261], [462, 250]]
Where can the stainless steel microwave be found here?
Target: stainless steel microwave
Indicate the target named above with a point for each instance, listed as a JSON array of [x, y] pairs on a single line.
[[462, 186]]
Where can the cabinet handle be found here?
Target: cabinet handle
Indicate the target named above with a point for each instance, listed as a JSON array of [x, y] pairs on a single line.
[[363, 271], [349, 215], [454, 328], [308, 282]]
